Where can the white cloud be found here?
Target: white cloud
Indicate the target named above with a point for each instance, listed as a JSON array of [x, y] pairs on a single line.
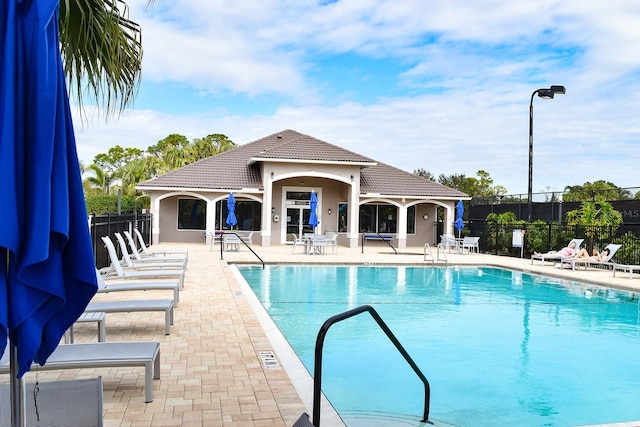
[[468, 69]]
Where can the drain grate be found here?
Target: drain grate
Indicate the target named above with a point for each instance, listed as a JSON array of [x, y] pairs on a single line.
[[269, 360]]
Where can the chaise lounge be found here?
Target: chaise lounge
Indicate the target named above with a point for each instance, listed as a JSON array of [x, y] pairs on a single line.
[[553, 257], [105, 355], [587, 262], [117, 271], [164, 305]]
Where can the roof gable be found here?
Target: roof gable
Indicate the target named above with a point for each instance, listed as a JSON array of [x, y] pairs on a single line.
[[239, 168]]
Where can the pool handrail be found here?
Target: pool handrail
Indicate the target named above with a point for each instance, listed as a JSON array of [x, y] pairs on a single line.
[[317, 370], [377, 236], [241, 241]]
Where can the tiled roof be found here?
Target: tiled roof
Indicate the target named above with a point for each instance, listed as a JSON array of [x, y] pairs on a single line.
[[239, 168], [387, 180]]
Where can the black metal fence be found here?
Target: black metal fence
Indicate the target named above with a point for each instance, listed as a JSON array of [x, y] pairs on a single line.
[[498, 238], [108, 225]]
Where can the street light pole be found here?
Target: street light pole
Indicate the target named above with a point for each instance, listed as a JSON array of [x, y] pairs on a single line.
[[545, 94]]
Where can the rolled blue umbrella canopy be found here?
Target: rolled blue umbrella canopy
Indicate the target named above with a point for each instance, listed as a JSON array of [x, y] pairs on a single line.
[[313, 207], [231, 207], [47, 273], [459, 223]]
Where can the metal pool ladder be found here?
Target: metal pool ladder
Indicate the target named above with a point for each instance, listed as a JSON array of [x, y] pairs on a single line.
[[317, 377]]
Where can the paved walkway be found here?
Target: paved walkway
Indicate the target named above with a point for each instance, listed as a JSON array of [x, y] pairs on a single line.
[[212, 373]]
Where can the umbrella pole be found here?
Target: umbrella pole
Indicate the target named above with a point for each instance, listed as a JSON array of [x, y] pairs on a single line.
[[17, 386], [18, 392]]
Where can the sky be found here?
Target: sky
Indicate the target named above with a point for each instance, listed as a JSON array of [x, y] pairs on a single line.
[[442, 86]]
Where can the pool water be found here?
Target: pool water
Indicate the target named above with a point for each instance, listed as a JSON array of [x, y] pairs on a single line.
[[498, 347]]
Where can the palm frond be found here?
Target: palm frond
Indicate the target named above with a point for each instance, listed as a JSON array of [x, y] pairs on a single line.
[[102, 52]]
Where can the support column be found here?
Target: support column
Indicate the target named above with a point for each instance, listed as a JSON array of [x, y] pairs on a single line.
[[401, 230], [267, 204]]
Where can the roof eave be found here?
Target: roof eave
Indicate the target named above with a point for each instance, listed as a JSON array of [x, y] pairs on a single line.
[[253, 160]]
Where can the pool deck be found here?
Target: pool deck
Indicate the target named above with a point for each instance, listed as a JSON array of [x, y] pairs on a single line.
[[212, 373]]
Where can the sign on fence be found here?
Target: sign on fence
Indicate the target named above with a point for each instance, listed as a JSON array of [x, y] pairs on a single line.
[[517, 241]]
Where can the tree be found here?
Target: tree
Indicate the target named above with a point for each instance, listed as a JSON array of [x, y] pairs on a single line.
[[116, 158], [208, 146], [597, 218], [598, 190], [424, 174], [168, 153], [100, 179], [101, 50]]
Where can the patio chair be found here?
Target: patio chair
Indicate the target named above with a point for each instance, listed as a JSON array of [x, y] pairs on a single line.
[[470, 244], [230, 242], [586, 262], [297, 241], [247, 237], [332, 241], [448, 243], [116, 270], [553, 257], [154, 256]]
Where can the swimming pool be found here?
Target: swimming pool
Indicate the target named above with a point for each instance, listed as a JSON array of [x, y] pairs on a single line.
[[499, 347]]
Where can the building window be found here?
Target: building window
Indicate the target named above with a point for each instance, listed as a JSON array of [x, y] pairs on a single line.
[[411, 220], [192, 214], [248, 215], [343, 217], [378, 218]]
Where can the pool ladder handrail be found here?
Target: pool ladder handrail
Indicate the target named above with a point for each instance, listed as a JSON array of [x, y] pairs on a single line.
[[317, 370], [440, 250], [242, 241]]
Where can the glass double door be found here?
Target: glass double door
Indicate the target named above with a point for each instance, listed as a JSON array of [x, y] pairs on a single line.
[[298, 221]]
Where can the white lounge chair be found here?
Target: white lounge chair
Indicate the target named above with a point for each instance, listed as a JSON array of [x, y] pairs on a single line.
[[135, 253], [116, 270], [145, 252], [587, 262], [128, 306], [105, 355], [148, 262], [626, 267], [103, 287], [554, 257]]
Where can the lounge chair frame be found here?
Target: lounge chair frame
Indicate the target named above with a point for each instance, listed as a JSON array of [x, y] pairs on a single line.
[[163, 305], [586, 262], [106, 355], [555, 257]]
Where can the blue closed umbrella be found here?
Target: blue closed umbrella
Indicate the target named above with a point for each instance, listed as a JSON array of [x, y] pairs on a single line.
[[459, 223], [313, 207], [50, 274], [231, 207]]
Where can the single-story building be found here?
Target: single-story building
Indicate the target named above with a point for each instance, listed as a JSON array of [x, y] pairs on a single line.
[[272, 180]]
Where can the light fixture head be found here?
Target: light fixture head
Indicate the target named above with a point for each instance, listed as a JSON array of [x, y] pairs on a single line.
[[425, 217], [545, 93], [329, 211], [558, 89]]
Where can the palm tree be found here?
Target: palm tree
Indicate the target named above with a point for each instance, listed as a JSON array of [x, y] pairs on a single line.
[[102, 51]]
